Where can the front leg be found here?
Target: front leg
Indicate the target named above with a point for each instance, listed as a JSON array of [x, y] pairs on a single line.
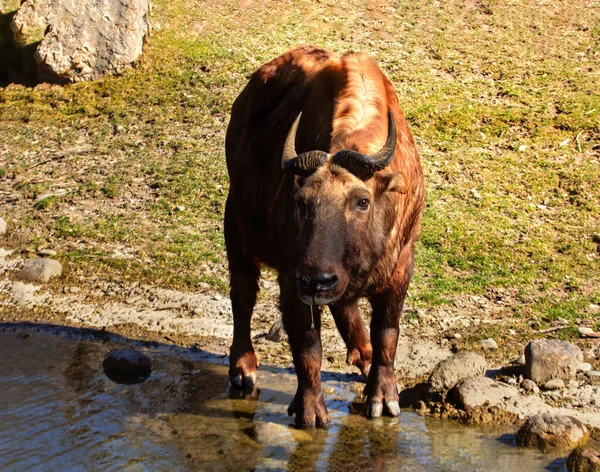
[[305, 340], [381, 389]]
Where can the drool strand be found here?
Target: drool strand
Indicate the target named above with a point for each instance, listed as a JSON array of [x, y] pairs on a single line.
[[312, 318]]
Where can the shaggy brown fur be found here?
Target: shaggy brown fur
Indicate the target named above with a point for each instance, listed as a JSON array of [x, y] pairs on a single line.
[[320, 224]]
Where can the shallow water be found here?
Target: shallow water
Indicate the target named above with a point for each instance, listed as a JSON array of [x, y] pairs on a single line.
[[58, 411]]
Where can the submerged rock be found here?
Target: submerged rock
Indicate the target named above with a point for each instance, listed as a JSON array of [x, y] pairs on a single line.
[[127, 366], [546, 431], [476, 391], [40, 270], [450, 371], [548, 359], [584, 459]]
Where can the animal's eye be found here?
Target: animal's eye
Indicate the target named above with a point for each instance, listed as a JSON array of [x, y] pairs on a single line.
[[301, 205], [363, 204]]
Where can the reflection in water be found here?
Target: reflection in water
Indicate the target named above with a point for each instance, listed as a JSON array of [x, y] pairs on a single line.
[[60, 412]]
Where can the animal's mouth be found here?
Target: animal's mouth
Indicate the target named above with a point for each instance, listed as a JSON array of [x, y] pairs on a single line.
[[321, 289], [323, 298]]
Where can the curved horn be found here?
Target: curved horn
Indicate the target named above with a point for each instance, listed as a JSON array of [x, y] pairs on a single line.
[[304, 164], [364, 165], [289, 148]]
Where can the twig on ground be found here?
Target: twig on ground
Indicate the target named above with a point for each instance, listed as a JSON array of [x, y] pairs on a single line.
[[577, 140]]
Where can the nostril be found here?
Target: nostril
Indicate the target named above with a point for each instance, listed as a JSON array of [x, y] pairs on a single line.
[[303, 282], [325, 282]]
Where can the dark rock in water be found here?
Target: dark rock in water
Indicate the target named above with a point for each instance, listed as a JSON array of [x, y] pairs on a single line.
[[127, 366], [548, 359], [584, 459], [546, 431]]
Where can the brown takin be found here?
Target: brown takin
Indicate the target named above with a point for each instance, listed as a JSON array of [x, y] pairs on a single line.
[[326, 188]]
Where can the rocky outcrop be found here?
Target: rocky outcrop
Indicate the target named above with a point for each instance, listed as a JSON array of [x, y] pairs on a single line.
[[450, 371], [547, 359], [82, 40], [547, 431]]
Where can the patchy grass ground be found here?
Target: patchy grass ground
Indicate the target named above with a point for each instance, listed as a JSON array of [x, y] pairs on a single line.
[[502, 97]]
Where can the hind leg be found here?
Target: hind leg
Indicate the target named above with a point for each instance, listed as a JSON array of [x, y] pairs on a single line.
[[244, 275], [351, 327]]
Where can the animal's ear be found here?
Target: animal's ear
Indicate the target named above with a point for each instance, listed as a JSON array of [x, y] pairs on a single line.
[[393, 183]]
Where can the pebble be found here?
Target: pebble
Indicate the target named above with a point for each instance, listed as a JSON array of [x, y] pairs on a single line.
[[74, 290], [132, 300], [47, 252], [593, 374], [529, 386], [457, 336], [179, 208], [584, 330], [511, 381], [329, 390], [593, 308], [488, 344], [3, 226], [554, 384], [584, 367], [546, 431], [520, 360]]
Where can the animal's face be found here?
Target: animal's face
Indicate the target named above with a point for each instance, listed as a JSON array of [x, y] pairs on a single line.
[[345, 209], [343, 224]]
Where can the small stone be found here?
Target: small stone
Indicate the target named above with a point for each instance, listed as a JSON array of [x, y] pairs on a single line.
[[450, 371], [520, 360], [47, 252], [3, 226], [554, 384], [40, 270], [546, 431], [74, 290], [551, 359], [329, 390], [277, 332], [593, 374], [488, 344], [584, 459], [475, 194], [529, 386], [584, 367], [522, 147], [132, 300], [23, 293], [457, 336], [476, 391], [511, 381], [127, 366], [593, 308], [584, 331], [179, 208]]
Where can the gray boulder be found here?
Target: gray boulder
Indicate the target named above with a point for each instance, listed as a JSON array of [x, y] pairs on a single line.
[[82, 40], [477, 391], [450, 371], [547, 431], [40, 270], [584, 459], [547, 359]]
